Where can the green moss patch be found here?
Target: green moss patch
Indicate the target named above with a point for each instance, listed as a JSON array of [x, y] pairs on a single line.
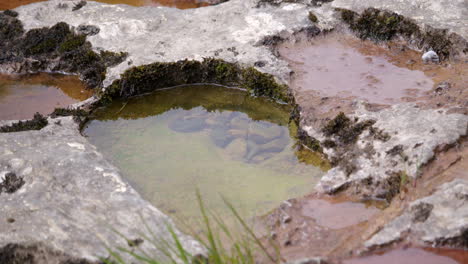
[[37, 123], [151, 77], [10, 28], [382, 25], [312, 17], [56, 49], [344, 130]]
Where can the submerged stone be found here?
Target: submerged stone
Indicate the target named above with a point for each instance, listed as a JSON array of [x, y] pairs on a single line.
[[219, 140]]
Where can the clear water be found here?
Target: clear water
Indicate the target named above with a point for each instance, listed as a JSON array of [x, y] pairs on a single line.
[[219, 140]]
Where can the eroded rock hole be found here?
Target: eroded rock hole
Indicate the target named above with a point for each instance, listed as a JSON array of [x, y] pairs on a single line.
[[220, 140]]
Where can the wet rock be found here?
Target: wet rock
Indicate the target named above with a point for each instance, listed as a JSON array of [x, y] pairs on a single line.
[[263, 132], [376, 174], [257, 152], [221, 137], [188, 124], [440, 219], [73, 195]]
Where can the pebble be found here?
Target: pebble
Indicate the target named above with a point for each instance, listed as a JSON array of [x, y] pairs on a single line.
[[430, 56]]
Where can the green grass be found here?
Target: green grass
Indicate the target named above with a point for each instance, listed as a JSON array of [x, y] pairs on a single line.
[[224, 244]]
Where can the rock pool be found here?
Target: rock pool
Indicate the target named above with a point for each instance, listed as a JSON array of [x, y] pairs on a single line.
[[219, 140], [38, 93]]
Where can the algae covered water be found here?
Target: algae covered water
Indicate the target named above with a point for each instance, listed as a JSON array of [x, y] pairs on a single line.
[[218, 140]]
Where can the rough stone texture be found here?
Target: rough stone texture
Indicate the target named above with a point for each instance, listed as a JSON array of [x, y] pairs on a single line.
[[72, 196], [450, 14], [445, 224], [415, 132], [233, 31]]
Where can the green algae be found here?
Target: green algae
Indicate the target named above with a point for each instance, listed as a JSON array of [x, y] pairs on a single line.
[[383, 25], [222, 141], [37, 123], [148, 78], [312, 17]]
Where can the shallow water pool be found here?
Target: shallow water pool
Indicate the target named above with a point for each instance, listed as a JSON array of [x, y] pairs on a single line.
[[22, 96], [219, 140]]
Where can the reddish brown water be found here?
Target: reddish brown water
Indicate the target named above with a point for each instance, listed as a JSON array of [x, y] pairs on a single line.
[[337, 215], [415, 256], [345, 67], [182, 4], [21, 97]]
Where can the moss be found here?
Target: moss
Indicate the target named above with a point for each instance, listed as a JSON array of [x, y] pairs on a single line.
[[72, 42], [10, 28], [37, 123], [314, 158], [112, 58], [45, 40], [379, 134], [393, 185], [381, 25], [68, 112], [312, 17], [79, 5], [340, 122], [344, 129], [308, 141], [404, 179], [226, 71], [151, 77], [12, 183], [347, 16], [11, 13], [262, 84], [329, 143], [438, 40], [57, 49]]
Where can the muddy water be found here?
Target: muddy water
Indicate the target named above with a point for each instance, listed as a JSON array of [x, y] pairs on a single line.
[[219, 140], [345, 67], [415, 255], [182, 4], [22, 96], [339, 215]]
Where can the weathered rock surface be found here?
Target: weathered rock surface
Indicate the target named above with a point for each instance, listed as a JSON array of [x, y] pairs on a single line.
[[379, 165], [72, 197], [440, 219], [233, 31]]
